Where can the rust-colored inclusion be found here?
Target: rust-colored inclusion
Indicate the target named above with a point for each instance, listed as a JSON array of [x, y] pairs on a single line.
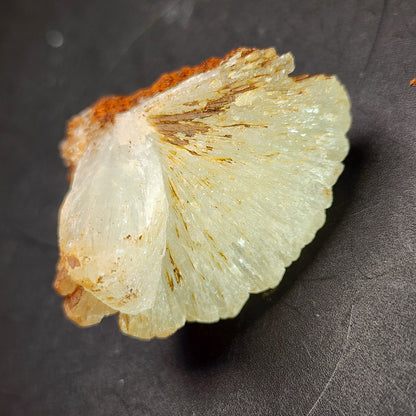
[[106, 108]]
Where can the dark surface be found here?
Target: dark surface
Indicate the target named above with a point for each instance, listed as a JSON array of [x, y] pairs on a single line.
[[336, 338]]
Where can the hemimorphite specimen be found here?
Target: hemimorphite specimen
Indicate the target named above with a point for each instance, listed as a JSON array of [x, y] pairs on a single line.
[[190, 195]]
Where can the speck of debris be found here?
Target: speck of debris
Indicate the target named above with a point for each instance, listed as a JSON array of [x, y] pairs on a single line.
[[412, 82]]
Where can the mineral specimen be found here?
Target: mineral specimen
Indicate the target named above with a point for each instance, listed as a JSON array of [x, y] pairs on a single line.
[[190, 195]]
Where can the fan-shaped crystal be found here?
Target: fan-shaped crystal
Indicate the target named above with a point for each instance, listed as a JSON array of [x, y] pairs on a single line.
[[191, 195]]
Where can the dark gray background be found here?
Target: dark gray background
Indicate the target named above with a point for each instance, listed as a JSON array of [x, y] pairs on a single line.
[[336, 338]]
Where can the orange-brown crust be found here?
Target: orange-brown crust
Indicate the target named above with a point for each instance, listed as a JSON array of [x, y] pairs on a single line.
[[82, 127], [106, 108]]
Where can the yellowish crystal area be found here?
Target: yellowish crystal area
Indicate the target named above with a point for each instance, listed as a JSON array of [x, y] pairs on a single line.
[[248, 157]]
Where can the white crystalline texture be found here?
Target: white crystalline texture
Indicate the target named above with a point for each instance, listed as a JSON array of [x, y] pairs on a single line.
[[189, 196]]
